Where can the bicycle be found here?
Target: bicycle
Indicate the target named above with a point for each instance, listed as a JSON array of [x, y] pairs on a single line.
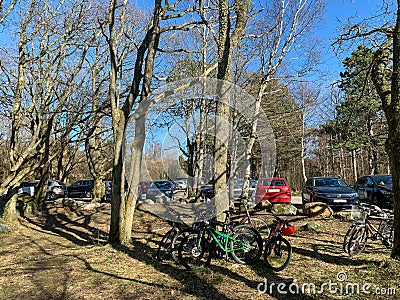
[[258, 223], [278, 251], [170, 241], [357, 235], [243, 242], [167, 247]]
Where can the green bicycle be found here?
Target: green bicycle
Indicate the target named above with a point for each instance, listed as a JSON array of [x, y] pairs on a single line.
[[243, 242]]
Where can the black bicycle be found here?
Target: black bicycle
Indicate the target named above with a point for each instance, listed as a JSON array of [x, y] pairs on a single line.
[[278, 251], [363, 228], [168, 247], [254, 221], [242, 242]]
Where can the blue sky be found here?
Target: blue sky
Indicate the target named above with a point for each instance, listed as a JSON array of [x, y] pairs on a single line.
[[337, 13]]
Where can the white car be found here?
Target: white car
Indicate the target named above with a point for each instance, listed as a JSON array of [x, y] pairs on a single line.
[[28, 187], [181, 184]]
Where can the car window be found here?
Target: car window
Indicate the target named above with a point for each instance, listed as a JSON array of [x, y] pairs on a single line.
[[369, 182], [361, 180], [238, 184], [278, 183], [383, 180], [266, 182], [275, 182], [333, 182], [163, 184]]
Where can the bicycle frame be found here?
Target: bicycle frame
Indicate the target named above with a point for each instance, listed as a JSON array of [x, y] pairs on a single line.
[[372, 229], [277, 228], [217, 235]]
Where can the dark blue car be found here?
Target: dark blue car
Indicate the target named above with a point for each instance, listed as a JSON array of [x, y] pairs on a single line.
[[375, 189], [330, 190], [81, 188], [159, 188]]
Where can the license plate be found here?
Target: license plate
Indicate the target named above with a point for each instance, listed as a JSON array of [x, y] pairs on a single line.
[[339, 201], [273, 190]]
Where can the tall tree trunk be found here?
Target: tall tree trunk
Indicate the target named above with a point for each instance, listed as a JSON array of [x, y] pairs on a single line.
[[226, 44], [123, 208], [392, 112], [389, 94]]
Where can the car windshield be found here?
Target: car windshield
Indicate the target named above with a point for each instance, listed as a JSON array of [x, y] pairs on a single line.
[[161, 184], [274, 182], [383, 180], [238, 183], [329, 182]]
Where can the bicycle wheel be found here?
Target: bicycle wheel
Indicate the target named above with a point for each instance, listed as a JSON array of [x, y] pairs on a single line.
[[194, 251], [357, 241], [388, 233], [278, 253], [164, 248], [347, 237], [246, 246], [260, 225]]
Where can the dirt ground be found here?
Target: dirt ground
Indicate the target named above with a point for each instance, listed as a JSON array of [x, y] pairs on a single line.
[[64, 255]]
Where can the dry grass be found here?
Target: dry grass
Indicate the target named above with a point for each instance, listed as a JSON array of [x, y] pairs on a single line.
[[64, 256]]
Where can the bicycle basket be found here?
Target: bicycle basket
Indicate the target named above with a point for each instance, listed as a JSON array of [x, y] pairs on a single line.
[[288, 230], [357, 213]]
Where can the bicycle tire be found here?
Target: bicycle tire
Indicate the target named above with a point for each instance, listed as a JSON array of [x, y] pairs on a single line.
[[347, 237], [190, 255], [357, 241], [164, 250], [388, 233], [249, 238], [260, 225], [278, 253]]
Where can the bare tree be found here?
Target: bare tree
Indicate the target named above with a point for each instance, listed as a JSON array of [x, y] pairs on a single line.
[[140, 88], [36, 96]]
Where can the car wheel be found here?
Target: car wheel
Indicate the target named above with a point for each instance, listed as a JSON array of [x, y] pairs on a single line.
[[88, 194]]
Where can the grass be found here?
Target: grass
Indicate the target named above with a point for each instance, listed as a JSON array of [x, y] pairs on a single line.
[[65, 256]]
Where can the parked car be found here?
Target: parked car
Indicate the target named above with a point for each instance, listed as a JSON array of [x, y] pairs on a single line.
[[375, 189], [238, 188], [275, 190], [158, 188], [330, 190], [56, 189], [28, 187], [207, 191], [182, 179], [108, 190], [81, 188], [181, 184]]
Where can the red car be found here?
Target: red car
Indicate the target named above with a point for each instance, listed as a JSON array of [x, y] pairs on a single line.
[[275, 190]]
